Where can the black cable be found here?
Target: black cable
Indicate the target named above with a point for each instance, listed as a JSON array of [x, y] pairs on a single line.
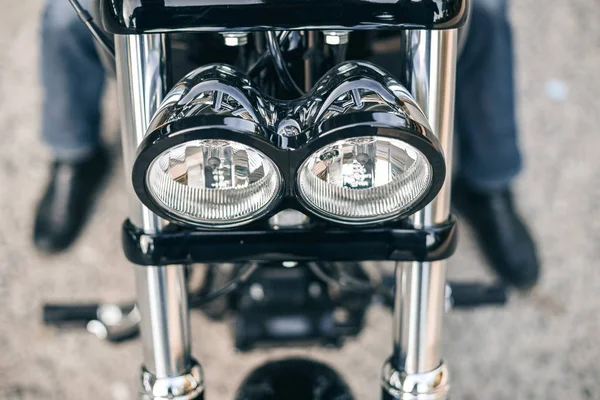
[[280, 67], [103, 40], [264, 58], [343, 281], [239, 280]]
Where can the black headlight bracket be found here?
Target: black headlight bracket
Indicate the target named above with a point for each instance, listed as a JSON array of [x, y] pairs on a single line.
[[395, 241]]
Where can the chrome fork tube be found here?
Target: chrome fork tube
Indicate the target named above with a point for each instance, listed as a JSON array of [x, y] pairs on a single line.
[[415, 370], [142, 84], [162, 298], [431, 76]]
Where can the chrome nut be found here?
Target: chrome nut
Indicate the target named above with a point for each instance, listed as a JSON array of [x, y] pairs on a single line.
[[432, 385], [336, 38], [188, 386], [235, 39]]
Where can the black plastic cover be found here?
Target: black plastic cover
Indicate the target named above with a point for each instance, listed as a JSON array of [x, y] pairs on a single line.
[[140, 16]]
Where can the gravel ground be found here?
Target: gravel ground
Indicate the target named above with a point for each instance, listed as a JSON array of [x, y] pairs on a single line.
[[542, 346]]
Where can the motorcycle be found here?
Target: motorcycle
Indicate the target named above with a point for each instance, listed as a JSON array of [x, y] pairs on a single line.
[[280, 163]]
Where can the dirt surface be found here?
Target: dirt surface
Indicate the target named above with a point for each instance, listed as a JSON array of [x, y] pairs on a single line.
[[542, 346]]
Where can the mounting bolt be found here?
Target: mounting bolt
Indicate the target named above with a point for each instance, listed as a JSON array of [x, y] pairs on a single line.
[[289, 264], [235, 39], [336, 38], [385, 16]]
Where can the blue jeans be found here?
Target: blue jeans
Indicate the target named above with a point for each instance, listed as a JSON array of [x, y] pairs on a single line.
[[73, 79], [486, 140], [73, 82]]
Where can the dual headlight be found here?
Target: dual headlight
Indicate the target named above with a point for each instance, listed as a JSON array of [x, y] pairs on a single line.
[[212, 182], [355, 150]]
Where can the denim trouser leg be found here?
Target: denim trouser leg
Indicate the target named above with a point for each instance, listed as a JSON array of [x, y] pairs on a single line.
[[489, 156], [73, 80]]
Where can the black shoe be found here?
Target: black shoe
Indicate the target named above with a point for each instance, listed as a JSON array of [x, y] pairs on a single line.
[[501, 233], [67, 201]]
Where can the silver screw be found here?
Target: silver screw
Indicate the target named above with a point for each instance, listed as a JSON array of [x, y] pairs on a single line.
[[234, 39], [386, 16], [336, 38], [256, 292], [289, 264]]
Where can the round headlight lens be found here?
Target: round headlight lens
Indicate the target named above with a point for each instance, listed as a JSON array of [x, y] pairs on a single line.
[[213, 182], [364, 179]]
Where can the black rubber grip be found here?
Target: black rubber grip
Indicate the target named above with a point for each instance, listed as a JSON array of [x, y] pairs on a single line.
[[467, 295], [62, 314]]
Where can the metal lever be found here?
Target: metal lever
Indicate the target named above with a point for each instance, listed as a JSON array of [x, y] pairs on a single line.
[[116, 323], [460, 294]]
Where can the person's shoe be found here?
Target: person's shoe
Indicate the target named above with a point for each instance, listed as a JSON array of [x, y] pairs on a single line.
[[67, 201], [501, 233]]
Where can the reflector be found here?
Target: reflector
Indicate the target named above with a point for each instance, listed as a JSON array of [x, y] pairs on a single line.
[[213, 182], [364, 179]]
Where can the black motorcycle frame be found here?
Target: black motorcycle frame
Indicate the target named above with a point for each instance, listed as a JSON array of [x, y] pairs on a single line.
[[159, 16]]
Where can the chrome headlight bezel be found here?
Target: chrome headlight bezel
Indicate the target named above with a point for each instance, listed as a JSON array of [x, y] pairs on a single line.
[[380, 125], [198, 128]]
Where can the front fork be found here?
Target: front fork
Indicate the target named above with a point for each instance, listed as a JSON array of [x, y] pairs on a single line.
[[168, 371], [415, 369]]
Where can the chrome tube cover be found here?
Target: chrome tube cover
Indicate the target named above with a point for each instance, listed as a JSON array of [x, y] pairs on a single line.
[[432, 385], [349, 88], [189, 386]]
